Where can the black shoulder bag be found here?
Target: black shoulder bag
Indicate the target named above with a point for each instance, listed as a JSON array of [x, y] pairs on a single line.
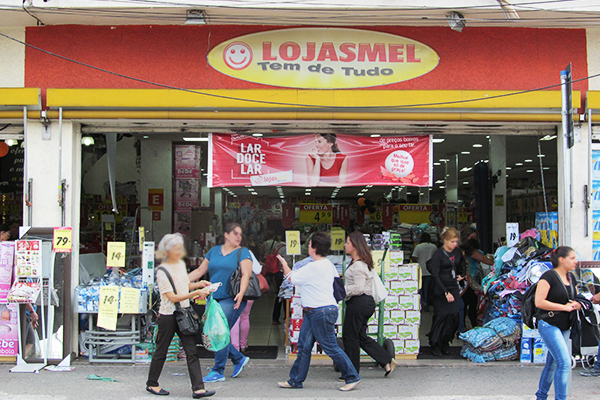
[[253, 291], [187, 319]]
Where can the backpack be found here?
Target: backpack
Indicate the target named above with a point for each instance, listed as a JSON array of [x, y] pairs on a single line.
[[272, 264], [528, 308]]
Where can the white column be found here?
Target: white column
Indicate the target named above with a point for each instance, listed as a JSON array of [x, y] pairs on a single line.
[[157, 173], [564, 190], [575, 231], [498, 163], [43, 169]]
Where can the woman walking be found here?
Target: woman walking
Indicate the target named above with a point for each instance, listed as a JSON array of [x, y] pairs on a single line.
[[360, 306], [171, 252], [447, 266], [554, 296], [320, 313], [220, 263]]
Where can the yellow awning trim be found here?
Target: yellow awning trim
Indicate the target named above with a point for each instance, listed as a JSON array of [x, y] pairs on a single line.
[[256, 99], [15, 97]]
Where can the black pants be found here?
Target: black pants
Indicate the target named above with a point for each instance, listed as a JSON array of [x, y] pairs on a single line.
[[471, 301], [277, 281], [167, 327], [358, 311]]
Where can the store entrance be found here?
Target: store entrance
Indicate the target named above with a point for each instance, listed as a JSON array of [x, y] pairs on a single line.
[[161, 185]]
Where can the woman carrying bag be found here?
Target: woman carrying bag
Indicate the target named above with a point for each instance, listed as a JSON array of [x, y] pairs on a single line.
[[555, 299], [171, 252], [360, 306], [221, 262]]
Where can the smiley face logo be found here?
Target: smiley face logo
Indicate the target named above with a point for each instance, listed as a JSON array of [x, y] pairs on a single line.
[[238, 55]]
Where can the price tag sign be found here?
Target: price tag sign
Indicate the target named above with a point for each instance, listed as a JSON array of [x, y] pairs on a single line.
[[130, 301], [108, 307], [338, 238], [292, 243], [316, 213], [62, 240], [512, 233], [376, 216], [115, 255], [142, 237]]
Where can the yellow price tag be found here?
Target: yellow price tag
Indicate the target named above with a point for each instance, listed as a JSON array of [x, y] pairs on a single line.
[[62, 240], [142, 236], [108, 307], [292, 243], [115, 255], [377, 256], [316, 213], [338, 237], [130, 301], [376, 216]]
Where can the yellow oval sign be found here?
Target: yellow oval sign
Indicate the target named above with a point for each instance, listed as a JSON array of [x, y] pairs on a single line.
[[323, 58]]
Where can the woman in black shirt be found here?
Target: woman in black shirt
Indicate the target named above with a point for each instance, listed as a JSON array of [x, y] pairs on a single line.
[[447, 267], [554, 297]]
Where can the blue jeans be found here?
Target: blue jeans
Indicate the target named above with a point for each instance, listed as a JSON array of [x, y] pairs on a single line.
[[319, 325], [597, 363], [230, 351], [558, 362]]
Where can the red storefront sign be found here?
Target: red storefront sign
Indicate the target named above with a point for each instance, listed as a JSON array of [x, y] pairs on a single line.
[[319, 160], [345, 215], [387, 215], [288, 213]]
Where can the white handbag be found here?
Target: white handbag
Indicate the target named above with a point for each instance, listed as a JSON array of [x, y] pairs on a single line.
[[377, 288]]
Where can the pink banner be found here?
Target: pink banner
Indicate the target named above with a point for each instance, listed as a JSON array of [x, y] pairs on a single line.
[[7, 261], [319, 160], [9, 337]]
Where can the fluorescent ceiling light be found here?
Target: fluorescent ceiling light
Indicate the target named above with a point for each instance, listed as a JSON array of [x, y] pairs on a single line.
[[437, 140], [437, 164], [546, 168], [477, 145], [541, 155], [528, 160], [529, 170], [466, 169], [375, 135], [195, 139], [465, 183], [442, 187], [548, 137], [519, 164], [257, 134], [465, 152], [508, 168], [440, 181]]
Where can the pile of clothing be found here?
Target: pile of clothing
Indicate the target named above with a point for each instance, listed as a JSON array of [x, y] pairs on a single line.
[[505, 287], [496, 341]]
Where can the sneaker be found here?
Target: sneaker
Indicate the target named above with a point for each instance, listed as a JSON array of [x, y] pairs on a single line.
[[213, 376], [590, 372], [237, 369], [350, 386]]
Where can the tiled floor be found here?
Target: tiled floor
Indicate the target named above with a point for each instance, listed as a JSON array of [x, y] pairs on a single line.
[[262, 331]]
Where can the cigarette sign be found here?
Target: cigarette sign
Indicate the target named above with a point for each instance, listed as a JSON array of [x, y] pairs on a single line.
[[323, 58]]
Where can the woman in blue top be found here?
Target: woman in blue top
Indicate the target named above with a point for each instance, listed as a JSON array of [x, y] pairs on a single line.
[[220, 263]]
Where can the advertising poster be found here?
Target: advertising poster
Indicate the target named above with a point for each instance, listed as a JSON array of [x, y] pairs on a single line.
[[7, 257], [9, 336], [319, 160]]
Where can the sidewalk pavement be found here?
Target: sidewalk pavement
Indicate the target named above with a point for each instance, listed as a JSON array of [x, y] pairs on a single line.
[[415, 380]]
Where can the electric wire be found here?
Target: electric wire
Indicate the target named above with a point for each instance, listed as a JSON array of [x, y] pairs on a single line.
[[275, 103]]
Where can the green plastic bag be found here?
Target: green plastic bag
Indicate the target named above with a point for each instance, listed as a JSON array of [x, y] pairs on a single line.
[[215, 334]]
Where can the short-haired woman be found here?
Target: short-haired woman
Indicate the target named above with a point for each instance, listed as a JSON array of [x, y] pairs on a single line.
[[555, 297], [447, 267], [320, 314], [171, 252], [360, 306], [220, 263]]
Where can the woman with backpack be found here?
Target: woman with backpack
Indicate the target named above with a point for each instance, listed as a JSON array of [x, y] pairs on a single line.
[[447, 267], [554, 298], [360, 306]]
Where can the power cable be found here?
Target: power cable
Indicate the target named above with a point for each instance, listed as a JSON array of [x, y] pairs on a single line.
[[275, 103]]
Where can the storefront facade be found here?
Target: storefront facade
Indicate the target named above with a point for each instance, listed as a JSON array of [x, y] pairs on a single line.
[[160, 79]]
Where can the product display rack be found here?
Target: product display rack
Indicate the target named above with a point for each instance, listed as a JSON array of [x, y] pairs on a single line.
[[99, 340]]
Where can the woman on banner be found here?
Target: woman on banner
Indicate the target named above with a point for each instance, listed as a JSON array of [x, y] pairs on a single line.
[[220, 263], [447, 266], [326, 165], [171, 252], [360, 306]]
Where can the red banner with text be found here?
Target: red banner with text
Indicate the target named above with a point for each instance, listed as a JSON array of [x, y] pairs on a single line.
[[319, 160]]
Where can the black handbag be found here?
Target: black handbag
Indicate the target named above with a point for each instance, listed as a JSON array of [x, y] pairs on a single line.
[[187, 319], [339, 290], [253, 291]]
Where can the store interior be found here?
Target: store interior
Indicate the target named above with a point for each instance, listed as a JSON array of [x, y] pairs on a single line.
[[146, 160]]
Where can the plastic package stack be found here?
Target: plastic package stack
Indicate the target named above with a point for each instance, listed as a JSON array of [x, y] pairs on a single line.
[[87, 296], [496, 341], [173, 352]]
